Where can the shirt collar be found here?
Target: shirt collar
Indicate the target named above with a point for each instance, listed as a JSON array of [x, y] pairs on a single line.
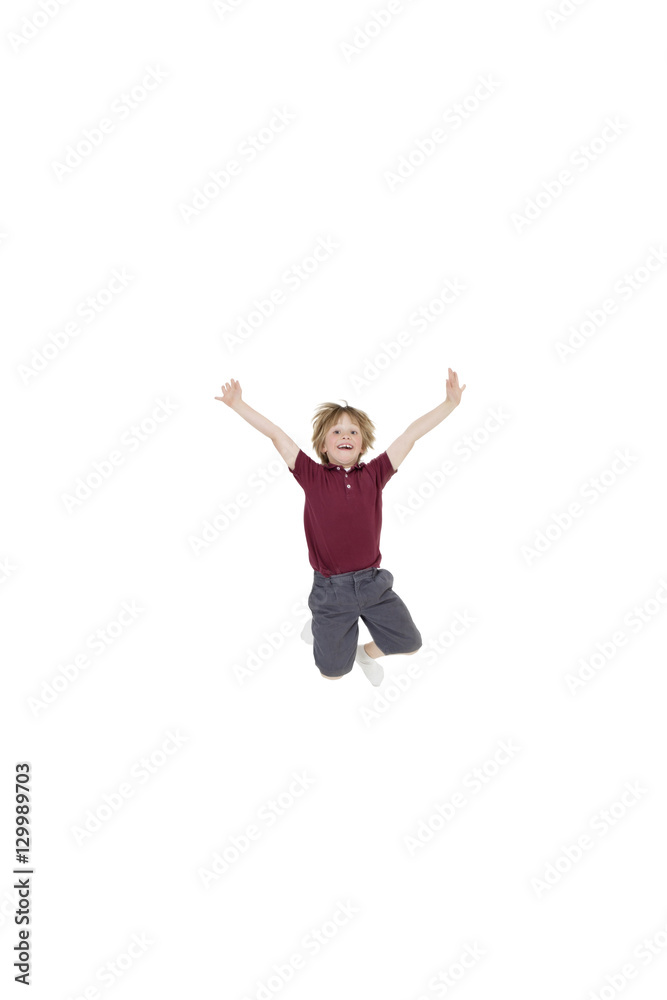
[[334, 467]]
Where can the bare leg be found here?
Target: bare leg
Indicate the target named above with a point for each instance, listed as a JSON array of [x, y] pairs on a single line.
[[372, 650], [332, 678]]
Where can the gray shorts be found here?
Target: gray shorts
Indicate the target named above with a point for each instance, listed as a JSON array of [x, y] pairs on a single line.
[[338, 602]]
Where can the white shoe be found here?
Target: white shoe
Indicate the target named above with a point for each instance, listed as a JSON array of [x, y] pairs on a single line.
[[373, 670], [307, 632]]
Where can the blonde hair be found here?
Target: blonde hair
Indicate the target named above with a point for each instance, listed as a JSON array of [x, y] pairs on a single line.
[[328, 414]]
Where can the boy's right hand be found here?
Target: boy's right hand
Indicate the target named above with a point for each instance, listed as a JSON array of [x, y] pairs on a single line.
[[231, 393]]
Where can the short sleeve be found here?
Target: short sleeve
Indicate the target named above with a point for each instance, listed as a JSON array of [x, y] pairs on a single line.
[[305, 469], [381, 469]]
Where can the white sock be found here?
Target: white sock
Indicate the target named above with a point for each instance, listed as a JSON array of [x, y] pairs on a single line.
[[373, 670]]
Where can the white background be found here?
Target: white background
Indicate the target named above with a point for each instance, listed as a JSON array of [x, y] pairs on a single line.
[[376, 769]]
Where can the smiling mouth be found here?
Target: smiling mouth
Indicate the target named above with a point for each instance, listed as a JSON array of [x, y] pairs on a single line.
[[345, 447]]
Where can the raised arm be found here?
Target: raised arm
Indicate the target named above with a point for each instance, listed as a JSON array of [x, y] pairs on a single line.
[[403, 444], [231, 395]]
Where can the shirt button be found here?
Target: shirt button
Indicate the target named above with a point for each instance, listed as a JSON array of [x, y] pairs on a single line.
[[338, 466], [348, 486]]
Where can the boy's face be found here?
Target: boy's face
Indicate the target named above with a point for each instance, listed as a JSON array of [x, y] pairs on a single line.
[[343, 443]]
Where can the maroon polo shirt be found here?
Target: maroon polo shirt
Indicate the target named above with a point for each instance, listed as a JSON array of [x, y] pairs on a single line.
[[342, 514]]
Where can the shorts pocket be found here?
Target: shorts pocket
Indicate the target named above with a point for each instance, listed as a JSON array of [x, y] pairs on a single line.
[[317, 598]]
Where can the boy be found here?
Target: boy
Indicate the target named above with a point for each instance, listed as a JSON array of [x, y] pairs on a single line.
[[342, 520]]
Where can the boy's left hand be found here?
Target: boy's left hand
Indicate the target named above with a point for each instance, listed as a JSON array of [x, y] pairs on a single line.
[[453, 389]]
